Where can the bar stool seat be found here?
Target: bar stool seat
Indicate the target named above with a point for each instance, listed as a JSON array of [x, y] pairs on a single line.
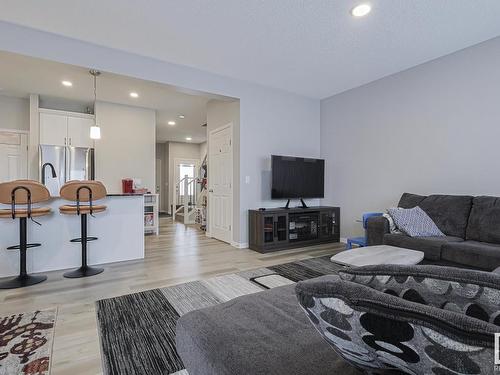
[[83, 193], [23, 193], [21, 212], [73, 209]]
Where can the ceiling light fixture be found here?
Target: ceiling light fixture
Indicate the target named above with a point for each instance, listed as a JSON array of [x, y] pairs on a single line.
[[134, 95], [171, 123], [182, 116], [95, 130], [361, 10], [67, 83], [189, 139]]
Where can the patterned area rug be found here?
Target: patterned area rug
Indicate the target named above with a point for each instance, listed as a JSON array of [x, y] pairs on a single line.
[[26, 343], [137, 331]]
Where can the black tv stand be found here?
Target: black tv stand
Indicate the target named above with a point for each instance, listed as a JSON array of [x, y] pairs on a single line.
[[279, 228], [287, 206]]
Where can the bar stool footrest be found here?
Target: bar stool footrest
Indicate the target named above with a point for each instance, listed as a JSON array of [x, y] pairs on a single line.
[[28, 246], [21, 281], [80, 239]]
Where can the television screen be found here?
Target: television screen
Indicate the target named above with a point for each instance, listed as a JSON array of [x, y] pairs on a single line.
[[297, 177]]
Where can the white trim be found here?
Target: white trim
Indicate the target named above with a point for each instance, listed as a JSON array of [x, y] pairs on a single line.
[[239, 245], [343, 239], [66, 113], [18, 131], [220, 128]]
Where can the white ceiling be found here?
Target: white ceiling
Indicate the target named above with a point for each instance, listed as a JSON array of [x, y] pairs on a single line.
[[21, 75], [310, 47]]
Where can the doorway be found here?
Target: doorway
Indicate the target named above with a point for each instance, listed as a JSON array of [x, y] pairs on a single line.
[[220, 182], [183, 168]]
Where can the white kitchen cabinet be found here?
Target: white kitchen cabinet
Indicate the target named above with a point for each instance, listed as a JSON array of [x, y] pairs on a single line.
[[79, 131], [13, 156], [61, 128], [53, 129]]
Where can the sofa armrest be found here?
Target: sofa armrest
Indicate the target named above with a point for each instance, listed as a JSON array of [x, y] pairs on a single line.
[[376, 228]]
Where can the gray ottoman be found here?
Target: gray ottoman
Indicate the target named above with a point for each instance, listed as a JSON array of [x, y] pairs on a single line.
[[263, 333]]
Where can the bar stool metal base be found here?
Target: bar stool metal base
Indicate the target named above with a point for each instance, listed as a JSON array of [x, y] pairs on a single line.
[[83, 272], [22, 281]]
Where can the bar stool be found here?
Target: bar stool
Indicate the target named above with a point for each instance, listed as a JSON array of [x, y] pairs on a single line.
[[83, 191], [24, 193]]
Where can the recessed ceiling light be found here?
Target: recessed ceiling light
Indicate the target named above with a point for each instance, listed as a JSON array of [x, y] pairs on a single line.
[[361, 10], [182, 116], [189, 139], [134, 95], [171, 123], [67, 83]]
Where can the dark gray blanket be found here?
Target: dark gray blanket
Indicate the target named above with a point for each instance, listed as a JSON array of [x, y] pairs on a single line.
[[263, 333]]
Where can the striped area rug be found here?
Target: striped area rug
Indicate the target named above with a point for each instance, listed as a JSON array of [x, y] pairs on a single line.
[[137, 331]]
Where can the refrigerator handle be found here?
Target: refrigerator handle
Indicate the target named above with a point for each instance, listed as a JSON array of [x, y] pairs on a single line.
[[67, 158], [40, 158]]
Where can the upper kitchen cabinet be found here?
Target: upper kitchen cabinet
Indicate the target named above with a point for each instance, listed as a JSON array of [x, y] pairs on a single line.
[[79, 131], [60, 128], [53, 129]]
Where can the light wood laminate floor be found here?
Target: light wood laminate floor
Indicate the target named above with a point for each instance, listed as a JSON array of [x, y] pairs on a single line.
[[179, 254]]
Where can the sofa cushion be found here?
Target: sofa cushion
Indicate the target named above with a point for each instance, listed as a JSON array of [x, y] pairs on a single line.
[[261, 333], [409, 200], [473, 253], [484, 220], [449, 212], [431, 246], [414, 222]]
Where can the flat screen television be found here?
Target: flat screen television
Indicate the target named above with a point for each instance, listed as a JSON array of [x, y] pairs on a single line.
[[297, 177]]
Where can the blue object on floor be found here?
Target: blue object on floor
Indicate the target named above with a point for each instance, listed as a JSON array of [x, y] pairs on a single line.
[[361, 241]]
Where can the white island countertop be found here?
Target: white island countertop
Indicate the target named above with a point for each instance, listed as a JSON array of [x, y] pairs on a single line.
[[120, 232]]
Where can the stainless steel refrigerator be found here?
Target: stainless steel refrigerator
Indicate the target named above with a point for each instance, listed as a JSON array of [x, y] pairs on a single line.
[[59, 164]]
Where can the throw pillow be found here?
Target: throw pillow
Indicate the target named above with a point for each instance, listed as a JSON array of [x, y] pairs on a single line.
[[414, 222], [392, 226]]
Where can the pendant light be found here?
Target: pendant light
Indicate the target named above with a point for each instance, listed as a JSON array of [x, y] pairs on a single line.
[[95, 130]]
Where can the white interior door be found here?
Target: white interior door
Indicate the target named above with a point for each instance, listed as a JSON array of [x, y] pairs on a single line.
[[220, 183], [13, 156]]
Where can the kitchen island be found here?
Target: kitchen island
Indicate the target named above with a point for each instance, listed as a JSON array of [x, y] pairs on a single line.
[[120, 230]]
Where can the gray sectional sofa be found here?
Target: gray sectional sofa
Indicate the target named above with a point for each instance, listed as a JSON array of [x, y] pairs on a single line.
[[471, 225]]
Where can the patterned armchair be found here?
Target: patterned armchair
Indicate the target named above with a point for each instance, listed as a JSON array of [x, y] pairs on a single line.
[[407, 319]]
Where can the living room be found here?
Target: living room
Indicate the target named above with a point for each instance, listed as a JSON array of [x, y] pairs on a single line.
[[393, 98]]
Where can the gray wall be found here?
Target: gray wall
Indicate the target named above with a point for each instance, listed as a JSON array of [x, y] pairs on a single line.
[[162, 155], [431, 129], [14, 113]]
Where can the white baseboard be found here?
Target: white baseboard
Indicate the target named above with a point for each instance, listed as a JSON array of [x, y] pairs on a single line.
[[208, 234], [239, 245], [343, 239]]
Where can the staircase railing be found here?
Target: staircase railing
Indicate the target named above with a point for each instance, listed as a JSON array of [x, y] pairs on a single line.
[[185, 199]]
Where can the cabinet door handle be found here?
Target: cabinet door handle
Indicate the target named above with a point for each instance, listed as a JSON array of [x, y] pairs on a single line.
[[70, 141], [65, 141]]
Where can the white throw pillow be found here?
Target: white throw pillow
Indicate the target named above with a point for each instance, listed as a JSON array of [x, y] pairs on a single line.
[[414, 222]]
